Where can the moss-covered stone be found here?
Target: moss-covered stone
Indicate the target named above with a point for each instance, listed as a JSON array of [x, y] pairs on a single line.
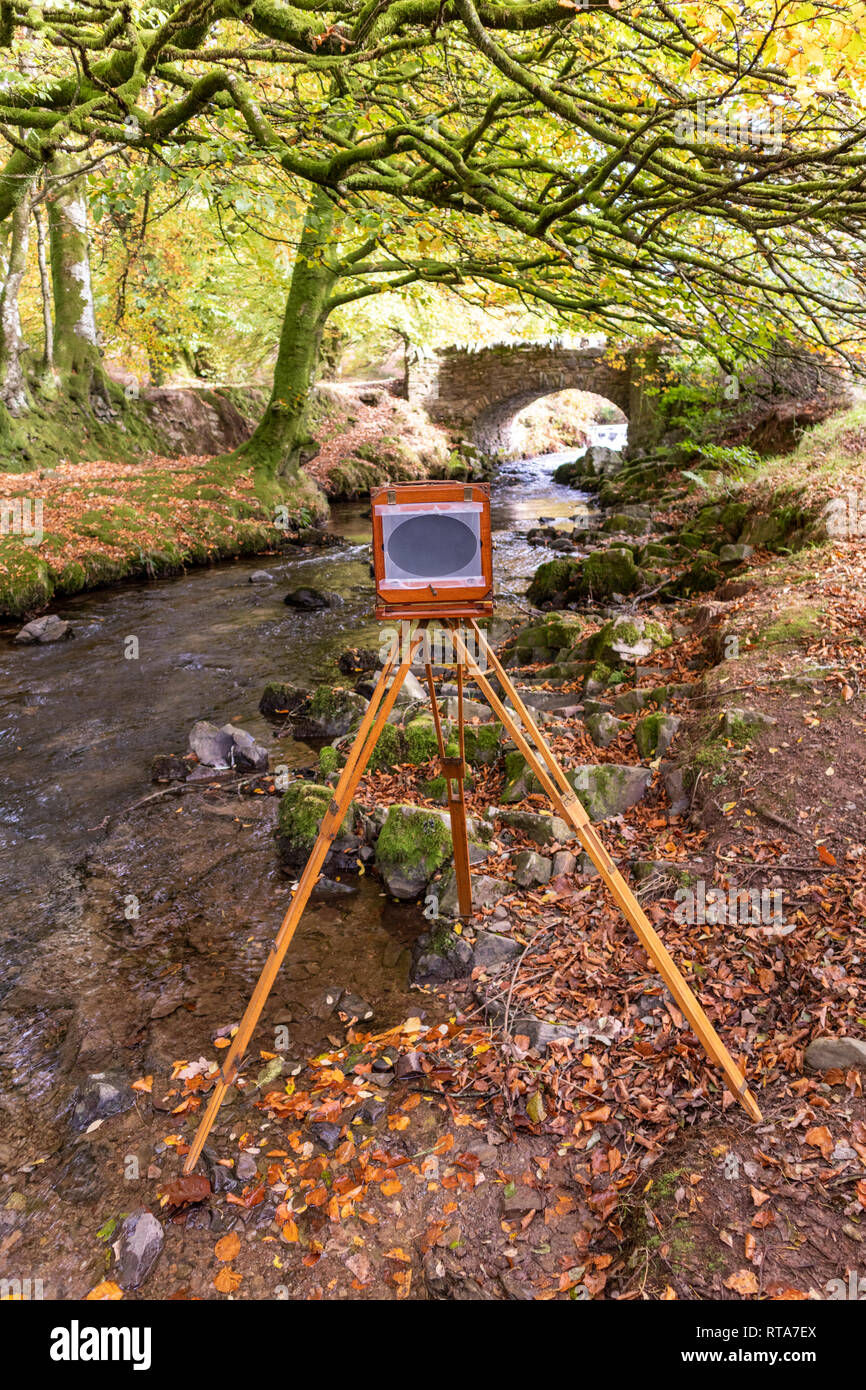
[[388, 752], [413, 843], [553, 578], [329, 760], [419, 737], [280, 699], [482, 743], [654, 733], [607, 572], [302, 809], [627, 525]]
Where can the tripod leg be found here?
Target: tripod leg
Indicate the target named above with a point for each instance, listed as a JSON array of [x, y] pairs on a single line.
[[453, 771], [569, 807], [377, 712]]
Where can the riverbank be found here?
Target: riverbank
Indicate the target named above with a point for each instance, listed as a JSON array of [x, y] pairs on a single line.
[[532, 1120]]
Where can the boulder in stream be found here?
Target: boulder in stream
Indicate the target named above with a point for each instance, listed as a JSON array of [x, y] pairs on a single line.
[[49, 628], [310, 600], [137, 1249], [227, 747]]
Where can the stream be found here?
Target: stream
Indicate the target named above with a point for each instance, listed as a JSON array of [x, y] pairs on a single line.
[[127, 940]]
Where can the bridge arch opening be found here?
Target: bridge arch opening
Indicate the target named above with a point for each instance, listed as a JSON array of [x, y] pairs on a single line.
[[565, 420]]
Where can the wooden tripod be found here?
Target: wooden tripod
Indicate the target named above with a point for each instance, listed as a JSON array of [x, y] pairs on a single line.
[[552, 779]]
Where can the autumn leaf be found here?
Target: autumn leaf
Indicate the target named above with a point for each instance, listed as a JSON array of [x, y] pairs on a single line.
[[227, 1280], [820, 1138], [228, 1247], [106, 1292], [191, 1187], [743, 1282], [759, 1197], [290, 1232]]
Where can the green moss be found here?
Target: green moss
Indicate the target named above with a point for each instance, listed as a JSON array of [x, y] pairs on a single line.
[[646, 734], [482, 743], [412, 836], [302, 809], [551, 578], [388, 752], [607, 572], [802, 625], [329, 760], [420, 740]]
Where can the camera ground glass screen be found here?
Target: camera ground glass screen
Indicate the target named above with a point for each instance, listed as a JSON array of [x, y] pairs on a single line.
[[433, 545]]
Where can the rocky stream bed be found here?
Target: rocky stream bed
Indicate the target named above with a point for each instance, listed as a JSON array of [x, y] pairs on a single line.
[[432, 1110]]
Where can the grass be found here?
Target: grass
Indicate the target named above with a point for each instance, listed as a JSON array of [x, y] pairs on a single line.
[[107, 521]]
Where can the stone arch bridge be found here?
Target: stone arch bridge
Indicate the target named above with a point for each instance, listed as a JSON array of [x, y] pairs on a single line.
[[481, 390]]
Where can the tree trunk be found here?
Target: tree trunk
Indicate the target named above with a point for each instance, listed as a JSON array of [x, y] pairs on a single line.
[[281, 440], [76, 351], [13, 385], [45, 283]]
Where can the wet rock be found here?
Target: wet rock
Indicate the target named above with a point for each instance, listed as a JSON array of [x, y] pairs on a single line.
[[81, 1176], [654, 734], [246, 1167], [249, 756], [329, 888], [260, 577], [212, 746], [531, 869], [221, 1179], [280, 699], [370, 1111], [439, 955], [603, 729], [101, 1095], [823, 1054], [413, 843], [168, 767], [137, 1249], [307, 600], [493, 952], [353, 1009], [324, 1133], [46, 629], [358, 661]]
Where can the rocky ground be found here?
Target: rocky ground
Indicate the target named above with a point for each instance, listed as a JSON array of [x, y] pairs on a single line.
[[512, 1108]]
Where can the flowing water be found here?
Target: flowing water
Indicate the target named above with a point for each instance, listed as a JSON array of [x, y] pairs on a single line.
[[128, 936]]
